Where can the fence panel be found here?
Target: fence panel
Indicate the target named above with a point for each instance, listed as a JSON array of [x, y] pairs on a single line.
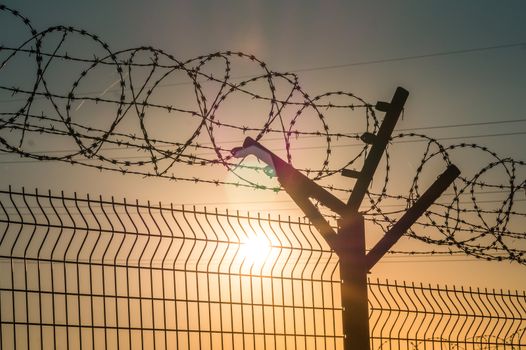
[[410, 316], [93, 273]]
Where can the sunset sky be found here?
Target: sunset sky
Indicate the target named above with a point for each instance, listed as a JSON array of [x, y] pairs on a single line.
[[462, 62]]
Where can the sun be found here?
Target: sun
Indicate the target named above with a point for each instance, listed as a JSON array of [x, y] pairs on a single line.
[[254, 251]]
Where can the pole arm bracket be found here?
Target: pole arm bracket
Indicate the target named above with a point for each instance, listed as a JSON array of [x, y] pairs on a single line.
[[302, 189], [411, 215], [299, 187]]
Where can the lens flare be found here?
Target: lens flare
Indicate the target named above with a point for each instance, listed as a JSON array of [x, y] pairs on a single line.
[[254, 251]]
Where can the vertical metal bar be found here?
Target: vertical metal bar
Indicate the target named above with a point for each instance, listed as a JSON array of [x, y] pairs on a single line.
[[375, 317], [230, 279], [230, 266], [332, 278], [208, 275], [454, 314], [261, 284], [256, 278], [243, 324], [197, 280], [445, 314], [282, 279], [165, 234], [515, 314], [493, 312], [220, 273], [53, 285], [485, 312], [251, 285], [175, 259], [61, 223], [163, 268], [77, 264], [188, 335], [103, 272], [461, 302], [41, 328], [272, 280], [198, 272], [11, 261], [387, 307], [411, 306], [430, 308], [469, 314], [500, 313], [127, 269], [114, 262], [521, 332], [26, 267], [292, 291], [151, 268], [319, 249], [404, 309], [93, 275], [393, 303], [304, 279], [423, 322], [139, 272], [510, 315], [477, 311], [256, 283]]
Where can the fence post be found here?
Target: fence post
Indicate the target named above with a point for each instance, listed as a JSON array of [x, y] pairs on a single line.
[[351, 235], [353, 273], [349, 242]]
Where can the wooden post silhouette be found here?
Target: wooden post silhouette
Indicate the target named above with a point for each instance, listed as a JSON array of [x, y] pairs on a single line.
[[349, 242]]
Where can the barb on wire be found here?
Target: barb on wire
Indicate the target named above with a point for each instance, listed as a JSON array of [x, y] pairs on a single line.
[[65, 95]]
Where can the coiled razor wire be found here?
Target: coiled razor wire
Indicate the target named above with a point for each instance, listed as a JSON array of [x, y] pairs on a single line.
[[65, 88]]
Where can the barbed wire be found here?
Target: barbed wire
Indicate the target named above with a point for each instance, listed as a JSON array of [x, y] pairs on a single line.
[[65, 88]]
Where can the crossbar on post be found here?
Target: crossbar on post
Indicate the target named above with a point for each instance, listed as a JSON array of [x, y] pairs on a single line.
[[379, 143], [411, 215]]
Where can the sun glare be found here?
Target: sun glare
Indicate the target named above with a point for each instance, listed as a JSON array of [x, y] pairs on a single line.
[[254, 251]]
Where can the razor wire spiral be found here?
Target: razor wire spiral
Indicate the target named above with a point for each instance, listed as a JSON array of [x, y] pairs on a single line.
[[182, 115]]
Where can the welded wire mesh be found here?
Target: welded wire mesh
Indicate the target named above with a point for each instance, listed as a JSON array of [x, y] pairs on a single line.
[[411, 316], [90, 273], [94, 273]]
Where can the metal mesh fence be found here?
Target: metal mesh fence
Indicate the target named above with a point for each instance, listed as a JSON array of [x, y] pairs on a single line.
[[88, 273], [410, 316], [97, 274]]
